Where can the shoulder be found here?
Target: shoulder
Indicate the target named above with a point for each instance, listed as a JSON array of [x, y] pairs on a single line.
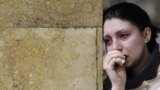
[[153, 84]]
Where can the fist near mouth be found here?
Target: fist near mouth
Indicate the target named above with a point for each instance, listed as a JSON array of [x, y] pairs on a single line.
[[113, 64]]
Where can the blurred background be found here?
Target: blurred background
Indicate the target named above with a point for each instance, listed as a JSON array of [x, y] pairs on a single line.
[[151, 6]]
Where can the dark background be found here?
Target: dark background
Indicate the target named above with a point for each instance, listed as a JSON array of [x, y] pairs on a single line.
[[151, 6]]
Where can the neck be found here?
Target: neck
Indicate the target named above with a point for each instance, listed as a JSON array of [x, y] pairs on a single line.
[[141, 64]]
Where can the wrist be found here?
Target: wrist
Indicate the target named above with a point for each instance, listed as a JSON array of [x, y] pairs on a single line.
[[118, 88]]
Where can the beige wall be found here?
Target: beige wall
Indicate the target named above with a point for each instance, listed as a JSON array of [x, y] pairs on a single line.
[[50, 45]]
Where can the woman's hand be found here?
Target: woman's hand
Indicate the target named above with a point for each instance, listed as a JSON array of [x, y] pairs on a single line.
[[114, 66]]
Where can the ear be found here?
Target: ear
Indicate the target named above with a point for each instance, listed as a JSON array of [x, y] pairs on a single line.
[[147, 34]]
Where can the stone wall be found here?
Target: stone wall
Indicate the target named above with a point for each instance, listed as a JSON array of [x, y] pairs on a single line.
[[51, 45]]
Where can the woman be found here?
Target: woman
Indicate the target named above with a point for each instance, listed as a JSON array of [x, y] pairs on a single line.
[[132, 52]]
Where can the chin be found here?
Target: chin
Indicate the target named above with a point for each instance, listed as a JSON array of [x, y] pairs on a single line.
[[128, 65]]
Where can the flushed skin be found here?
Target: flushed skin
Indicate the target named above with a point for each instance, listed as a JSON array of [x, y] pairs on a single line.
[[124, 42]]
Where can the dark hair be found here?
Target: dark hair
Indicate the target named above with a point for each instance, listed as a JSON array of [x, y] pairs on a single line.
[[134, 14]]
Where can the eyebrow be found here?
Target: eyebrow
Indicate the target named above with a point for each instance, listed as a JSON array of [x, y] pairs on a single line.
[[122, 31]]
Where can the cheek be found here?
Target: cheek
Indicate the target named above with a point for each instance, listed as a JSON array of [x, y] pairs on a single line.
[[134, 47], [134, 52], [134, 44], [135, 41], [108, 48]]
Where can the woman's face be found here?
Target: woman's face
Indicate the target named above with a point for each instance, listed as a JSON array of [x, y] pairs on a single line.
[[125, 37]]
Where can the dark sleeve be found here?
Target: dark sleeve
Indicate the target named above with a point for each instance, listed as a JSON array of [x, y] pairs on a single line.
[[107, 84]]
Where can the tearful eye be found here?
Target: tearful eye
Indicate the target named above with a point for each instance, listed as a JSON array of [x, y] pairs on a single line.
[[107, 42], [123, 35]]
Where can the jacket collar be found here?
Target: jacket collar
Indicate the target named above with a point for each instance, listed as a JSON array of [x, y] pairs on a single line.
[[148, 72]]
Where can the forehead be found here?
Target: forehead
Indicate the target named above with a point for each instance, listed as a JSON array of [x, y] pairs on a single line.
[[113, 25]]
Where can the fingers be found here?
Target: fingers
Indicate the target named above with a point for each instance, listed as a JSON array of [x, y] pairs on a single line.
[[113, 58], [114, 63], [116, 70], [115, 53], [114, 66]]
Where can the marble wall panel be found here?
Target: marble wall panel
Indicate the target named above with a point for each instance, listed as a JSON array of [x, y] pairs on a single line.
[[50, 13], [49, 59]]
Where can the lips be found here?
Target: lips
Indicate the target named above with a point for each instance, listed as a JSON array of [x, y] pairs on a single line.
[[126, 56]]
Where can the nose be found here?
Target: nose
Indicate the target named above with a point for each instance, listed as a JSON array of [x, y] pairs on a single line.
[[116, 45]]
